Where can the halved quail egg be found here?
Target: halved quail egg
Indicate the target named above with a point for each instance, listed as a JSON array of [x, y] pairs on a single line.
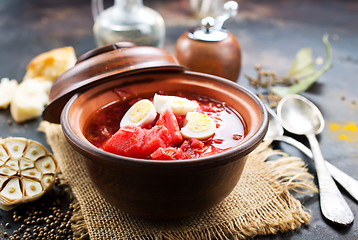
[[199, 126], [142, 112], [179, 105]]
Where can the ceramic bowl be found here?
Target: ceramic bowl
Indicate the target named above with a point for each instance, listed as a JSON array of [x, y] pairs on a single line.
[[156, 189]]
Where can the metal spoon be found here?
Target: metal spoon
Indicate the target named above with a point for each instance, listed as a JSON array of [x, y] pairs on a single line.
[[275, 132], [300, 116]]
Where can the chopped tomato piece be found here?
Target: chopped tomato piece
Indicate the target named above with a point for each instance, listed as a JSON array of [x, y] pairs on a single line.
[[191, 143], [169, 153], [181, 120], [126, 141], [169, 120], [132, 141], [193, 147], [185, 146], [195, 143], [155, 138]]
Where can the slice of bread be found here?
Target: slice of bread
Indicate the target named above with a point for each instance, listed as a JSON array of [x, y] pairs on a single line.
[[31, 95], [29, 99], [7, 89], [51, 64]]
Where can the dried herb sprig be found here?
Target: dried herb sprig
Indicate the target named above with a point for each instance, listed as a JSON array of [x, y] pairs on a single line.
[[302, 74], [263, 82]]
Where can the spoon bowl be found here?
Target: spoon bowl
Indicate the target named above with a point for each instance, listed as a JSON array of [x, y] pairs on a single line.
[[300, 116]]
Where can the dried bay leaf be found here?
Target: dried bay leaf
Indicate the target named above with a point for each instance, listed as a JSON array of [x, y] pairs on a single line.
[[303, 65], [304, 69]]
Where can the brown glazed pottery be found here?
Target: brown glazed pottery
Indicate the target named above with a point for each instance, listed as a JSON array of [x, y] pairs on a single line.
[[165, 189], [152, 189]]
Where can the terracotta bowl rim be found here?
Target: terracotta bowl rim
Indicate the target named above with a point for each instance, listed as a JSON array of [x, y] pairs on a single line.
[[238, 151]]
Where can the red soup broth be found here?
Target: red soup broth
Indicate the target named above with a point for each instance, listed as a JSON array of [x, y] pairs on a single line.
[[230, 129]]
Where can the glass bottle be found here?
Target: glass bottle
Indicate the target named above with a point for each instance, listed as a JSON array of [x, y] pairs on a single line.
[[127, 21]]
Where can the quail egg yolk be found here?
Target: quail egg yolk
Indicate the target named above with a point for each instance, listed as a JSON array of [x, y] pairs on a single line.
[[199, 126], [140, 113]]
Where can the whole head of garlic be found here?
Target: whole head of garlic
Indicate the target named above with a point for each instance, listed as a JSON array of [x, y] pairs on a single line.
[[27, 171]]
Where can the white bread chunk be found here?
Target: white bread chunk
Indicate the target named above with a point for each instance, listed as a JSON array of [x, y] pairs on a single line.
[[51, 64], [29, 99], [7, 89]]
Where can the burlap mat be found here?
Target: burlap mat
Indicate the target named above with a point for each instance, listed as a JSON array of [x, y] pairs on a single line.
[[260, 204]]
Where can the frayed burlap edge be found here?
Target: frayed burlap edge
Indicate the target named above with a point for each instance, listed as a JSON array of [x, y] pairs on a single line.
[[78, 226], [289, 171]]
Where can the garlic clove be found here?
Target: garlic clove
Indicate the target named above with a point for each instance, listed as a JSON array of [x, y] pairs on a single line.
[[34, 151], [15, 146], [3, 155], [26, 164], [2, 180], [47, 180], [13, 164], [5, 170], [12, 190], [32, 188], [32, 173], [46, 165]]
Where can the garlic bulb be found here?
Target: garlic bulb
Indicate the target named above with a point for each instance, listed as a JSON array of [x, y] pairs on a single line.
[[27, 171]]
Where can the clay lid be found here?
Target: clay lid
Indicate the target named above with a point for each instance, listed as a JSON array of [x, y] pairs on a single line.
[[103, 64]]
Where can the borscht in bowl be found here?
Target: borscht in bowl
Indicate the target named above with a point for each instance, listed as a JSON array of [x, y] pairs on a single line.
[[158, 141], [164, 145], [166, 126]]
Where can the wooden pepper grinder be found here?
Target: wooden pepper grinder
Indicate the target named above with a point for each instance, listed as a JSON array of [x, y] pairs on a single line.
[[210, 48]]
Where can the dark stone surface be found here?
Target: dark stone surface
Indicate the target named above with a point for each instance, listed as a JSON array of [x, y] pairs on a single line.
[[270, 33]]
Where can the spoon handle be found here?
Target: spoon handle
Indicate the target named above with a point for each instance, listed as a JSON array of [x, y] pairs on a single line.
[[296, 144], [333, 205], [346, 181]]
